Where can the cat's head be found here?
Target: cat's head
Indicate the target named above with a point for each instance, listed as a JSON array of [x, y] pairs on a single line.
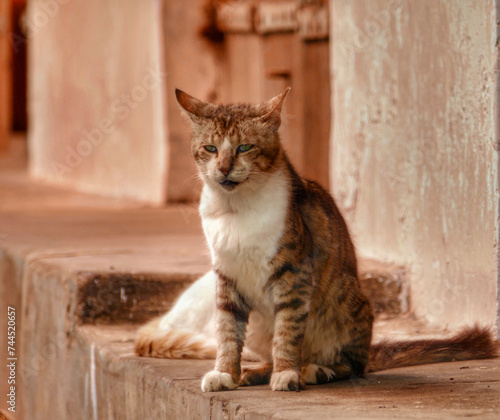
[[234, 144]]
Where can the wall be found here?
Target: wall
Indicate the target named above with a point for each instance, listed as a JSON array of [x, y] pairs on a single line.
[[414, 148], [113, 142]]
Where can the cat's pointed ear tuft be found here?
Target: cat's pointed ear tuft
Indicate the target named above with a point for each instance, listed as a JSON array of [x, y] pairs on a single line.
[[273, 107], [194, 108]]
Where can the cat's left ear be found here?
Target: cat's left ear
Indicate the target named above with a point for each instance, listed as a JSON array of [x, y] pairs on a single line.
[[273, 107], [195, 109]]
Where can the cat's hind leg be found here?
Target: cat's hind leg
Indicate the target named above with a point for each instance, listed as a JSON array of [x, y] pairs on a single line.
[[256, 375], [313, 374]]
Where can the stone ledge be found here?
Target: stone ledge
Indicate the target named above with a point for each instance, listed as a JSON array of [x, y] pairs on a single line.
[[113, 383]]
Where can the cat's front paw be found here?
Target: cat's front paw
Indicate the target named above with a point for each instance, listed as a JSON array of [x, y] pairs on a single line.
[[287, 380], [217, 381]]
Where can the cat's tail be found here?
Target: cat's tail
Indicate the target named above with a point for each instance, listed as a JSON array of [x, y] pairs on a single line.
[[187, 331], [151, 341], [470, 343]]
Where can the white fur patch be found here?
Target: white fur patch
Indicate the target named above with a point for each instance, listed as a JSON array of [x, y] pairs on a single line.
[[243, 229], [195, 309], [226, 146], [217, 381], [309, 373], [288, 380]]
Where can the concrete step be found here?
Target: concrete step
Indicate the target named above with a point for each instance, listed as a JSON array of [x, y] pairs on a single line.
[[97, 376]]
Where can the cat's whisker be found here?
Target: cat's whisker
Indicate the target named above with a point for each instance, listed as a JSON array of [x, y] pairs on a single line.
[[196, 176]]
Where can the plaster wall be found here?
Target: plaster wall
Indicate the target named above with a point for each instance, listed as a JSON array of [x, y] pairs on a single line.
[[414, 160], [96, 96]]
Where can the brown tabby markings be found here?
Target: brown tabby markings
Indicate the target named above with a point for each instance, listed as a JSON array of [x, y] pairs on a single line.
[[314, 286], [231, 320]]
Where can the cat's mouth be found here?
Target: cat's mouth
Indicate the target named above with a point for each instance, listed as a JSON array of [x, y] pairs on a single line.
[[229, 185]]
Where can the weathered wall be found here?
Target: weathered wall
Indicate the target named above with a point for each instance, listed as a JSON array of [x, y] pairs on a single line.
[[414, 148], [96, 99]]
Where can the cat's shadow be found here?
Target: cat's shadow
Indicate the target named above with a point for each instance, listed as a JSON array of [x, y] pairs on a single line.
[[396, 383]]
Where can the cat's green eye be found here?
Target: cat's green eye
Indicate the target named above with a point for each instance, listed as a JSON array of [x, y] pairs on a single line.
[[244, 148], [211, 149]]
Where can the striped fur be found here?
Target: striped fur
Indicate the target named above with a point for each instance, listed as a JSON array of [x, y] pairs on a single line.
[[470, 343], [284, 268]]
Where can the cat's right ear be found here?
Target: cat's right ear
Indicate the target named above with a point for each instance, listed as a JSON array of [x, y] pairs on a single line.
[[194, 108], [272, 117]]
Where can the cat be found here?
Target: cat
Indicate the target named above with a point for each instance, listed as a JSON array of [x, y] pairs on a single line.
[[283, 266]]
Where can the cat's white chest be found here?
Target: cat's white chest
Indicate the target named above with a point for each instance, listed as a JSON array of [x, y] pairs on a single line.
[[243, 233]]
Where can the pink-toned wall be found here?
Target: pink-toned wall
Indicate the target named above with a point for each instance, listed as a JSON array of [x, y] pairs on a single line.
[[96, 96], [414, 148]]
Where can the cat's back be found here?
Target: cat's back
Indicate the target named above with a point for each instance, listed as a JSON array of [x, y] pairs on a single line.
[[331, 238]]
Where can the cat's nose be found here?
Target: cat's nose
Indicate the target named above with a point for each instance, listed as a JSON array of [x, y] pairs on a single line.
[[226, 170]]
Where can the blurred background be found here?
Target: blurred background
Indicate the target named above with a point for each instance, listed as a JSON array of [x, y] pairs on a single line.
[[393, 109]]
